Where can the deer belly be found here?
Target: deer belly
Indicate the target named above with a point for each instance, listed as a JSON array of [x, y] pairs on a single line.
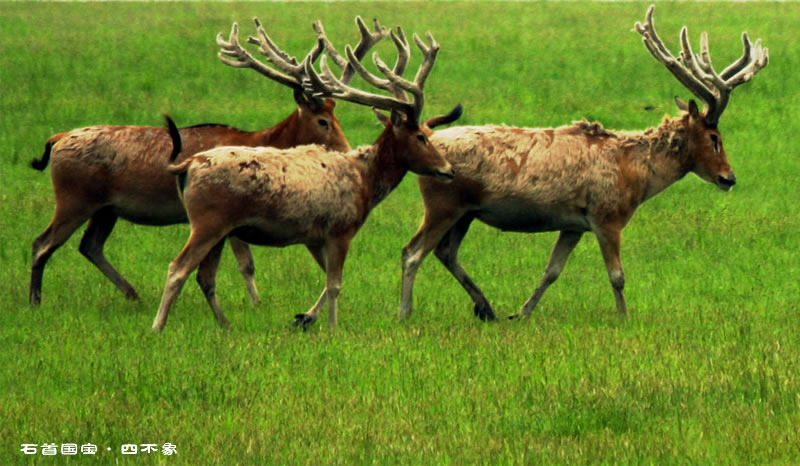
[[146, 197], [524, 218], [268, 235], [149, 208], [153, 217]]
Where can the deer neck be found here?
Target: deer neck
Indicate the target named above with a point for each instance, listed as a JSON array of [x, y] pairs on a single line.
[[662, 156], [383, 169], [281, 136]]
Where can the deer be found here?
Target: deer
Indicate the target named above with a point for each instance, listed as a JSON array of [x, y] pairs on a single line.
[[306, 195], [577, 178], [103, 173]]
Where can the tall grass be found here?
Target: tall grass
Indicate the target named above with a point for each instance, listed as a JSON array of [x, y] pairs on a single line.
[[703, 371]]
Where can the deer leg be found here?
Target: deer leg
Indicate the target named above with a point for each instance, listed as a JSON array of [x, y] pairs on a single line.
[[567, 240], [57, 233], [207, 279], [331, 259], [100, 226], [609, 240], [196, 249], [447, 253], [430, 233], [247, 267], [334, 261], [311, 315]]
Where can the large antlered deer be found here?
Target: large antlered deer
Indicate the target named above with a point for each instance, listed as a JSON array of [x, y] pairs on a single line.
[[102, 173], [578, 178], [305, 195]]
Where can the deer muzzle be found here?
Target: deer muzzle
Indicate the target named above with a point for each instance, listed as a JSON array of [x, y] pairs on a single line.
[[726, 182], [445, 175]]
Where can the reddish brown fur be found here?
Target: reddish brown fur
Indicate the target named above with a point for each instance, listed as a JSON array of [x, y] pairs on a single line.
[[101, 173]]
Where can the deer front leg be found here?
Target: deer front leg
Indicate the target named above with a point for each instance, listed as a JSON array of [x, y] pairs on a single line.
[[331, 258], [609, 240], [311, 315], [337, 252], [305, 320], [430, 234], [244, 257], [447, 253], [567, 240]]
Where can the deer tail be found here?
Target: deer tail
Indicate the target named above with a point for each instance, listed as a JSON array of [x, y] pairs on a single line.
[[175, 135], [41, 163], [179, 169]]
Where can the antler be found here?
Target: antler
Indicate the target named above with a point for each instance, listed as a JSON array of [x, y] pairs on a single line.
[[697, 73], [368, 40], [327, 85], [289, 73]]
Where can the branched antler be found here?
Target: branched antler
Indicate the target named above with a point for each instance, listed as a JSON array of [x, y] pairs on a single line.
[[368, 40], [329, 86], [289, 72], [696, 71]]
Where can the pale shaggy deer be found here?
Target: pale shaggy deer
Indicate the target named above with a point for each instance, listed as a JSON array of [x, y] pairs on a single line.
[[306, 195], [577, 178], [103, 173]]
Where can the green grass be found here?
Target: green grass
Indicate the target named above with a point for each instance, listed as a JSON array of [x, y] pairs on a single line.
[[703, 371]]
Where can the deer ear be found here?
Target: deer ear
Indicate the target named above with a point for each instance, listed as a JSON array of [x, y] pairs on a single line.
[[693, 110], [302, 99], [382, 118], [682, 105], [440, 120], [398, 119]]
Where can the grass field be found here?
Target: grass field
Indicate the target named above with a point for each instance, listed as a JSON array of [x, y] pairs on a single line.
[[704, 370]]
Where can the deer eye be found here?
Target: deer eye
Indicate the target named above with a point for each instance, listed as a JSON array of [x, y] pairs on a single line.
[[421, 138], [324, 123], [715, 142]]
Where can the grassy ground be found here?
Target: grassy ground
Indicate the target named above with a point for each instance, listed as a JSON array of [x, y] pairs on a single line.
[[703, 371]]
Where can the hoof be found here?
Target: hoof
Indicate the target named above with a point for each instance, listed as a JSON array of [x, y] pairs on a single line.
[[303, 320], [515, 317], [132, 295], [224, 324], [484, 312]]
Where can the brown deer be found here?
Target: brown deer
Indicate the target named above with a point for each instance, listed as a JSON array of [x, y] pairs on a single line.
[[102, 173], [306, 195], [578, 178]]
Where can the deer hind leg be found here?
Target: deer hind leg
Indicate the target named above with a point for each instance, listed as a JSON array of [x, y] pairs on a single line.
[[430, 233], [196, 249], [247, 267], [100, 226], [207, 279], [567, 240], [64, 223], [447, 253], [609, 240]]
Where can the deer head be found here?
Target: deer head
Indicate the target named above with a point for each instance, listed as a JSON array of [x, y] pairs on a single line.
[[697, 74], [316, 122], [403, 135]]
